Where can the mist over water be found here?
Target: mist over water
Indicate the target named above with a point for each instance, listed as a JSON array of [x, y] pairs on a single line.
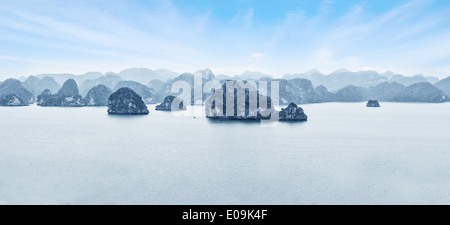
[[345, 154]]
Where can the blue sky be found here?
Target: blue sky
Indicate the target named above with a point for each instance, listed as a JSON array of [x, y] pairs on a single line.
[[230, 37]]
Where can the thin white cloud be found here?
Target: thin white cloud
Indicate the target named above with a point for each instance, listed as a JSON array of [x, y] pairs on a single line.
[[257, 55], [244, 18]]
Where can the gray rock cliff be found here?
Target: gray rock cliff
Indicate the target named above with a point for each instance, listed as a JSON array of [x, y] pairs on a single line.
[[98, 96], [126, 101], [11, 100], [292, 113], [67, 96], [373, 103], [166, 105]]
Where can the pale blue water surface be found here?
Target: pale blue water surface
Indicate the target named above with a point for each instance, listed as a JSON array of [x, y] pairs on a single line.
[[345, 154]]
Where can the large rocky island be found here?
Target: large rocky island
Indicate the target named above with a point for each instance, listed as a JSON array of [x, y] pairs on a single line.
[[214, 111], [126, 101], [245, 109]]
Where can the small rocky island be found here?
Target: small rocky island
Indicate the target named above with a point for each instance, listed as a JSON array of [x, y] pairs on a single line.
[[11, 100], [166, 105], [293, 113], [126, 101], [67, 96], [373, 103]]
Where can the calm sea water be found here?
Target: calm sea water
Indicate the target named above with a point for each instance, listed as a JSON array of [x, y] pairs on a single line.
[[344, 154]]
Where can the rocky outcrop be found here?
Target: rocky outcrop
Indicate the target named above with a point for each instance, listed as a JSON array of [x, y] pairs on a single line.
[[98, 96], [11, 100], [44, 97], [385, 91], [167, 104], [246, 111], [13, 86], [373, 103], [67, 96], [126, 101], [323, 94], [293, 113], [69, 88], [297, 90], [149, 95], [444, 85], [350, 94], [421, 92]]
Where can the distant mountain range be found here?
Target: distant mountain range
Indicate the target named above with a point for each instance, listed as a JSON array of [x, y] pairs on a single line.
[[333, 81], [342, 78], [310, 87], [141, 75]]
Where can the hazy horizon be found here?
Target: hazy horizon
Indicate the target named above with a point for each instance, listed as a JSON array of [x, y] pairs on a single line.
[[216, 74], [407, 37]]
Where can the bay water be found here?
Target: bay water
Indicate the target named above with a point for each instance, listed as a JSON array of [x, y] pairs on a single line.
[[345, 154]]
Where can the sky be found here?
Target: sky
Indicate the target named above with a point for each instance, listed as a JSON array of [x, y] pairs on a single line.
[[229, 37]]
